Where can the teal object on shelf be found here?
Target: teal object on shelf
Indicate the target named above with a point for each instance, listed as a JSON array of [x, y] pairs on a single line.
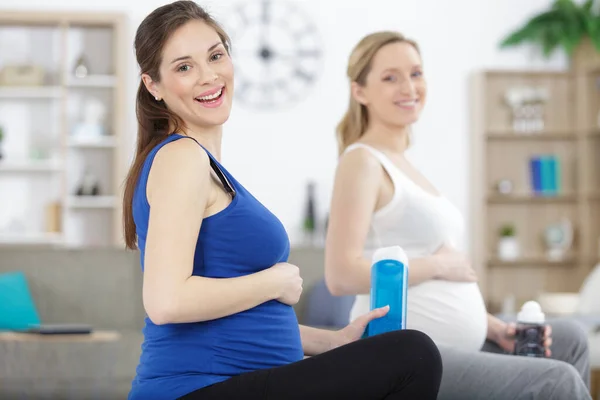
[[556, 175], [547, 175], [17, 308]]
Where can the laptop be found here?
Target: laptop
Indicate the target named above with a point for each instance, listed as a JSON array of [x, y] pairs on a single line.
[[61, 329]]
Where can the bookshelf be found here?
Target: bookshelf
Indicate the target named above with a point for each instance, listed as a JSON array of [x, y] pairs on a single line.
[[507, 190], [62, 101]]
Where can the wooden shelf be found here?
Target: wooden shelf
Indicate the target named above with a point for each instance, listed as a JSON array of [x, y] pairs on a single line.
[[594, 196], [594, 71], [594, 133], [502, 136], [26, 166], [91, 202], [536, 261], [500, 154], [525, 73], [30, 92], [526, 199]]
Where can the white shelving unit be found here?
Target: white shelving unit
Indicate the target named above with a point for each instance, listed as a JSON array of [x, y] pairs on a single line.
[[93, 202], [15, 93], [30, 166], [48, 146], [101, 143], [92, 81]]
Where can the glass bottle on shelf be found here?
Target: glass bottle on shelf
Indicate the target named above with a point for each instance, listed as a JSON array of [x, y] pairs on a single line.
[[310, 218], [89, 184]]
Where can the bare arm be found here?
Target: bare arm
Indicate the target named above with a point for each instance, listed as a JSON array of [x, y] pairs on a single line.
[[178, 189], [316, 341], [358, 179], [496, 328]]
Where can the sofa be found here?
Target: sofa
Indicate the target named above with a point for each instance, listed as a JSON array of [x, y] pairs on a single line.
[[98, 287], [101, 287]]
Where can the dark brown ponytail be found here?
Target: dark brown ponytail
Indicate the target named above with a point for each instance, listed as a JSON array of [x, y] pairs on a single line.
[[155, 120]]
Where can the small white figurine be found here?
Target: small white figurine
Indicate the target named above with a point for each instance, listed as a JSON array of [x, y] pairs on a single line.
[[92, 126]]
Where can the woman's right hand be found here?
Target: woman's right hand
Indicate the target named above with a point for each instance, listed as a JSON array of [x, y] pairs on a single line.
[[454, 265], [287, 278]]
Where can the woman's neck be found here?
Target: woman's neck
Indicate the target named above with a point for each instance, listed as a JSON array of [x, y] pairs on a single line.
[[394, 139], [210, 138]]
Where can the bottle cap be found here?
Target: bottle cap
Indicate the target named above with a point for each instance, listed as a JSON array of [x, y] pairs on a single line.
[[531, 313], [390, 253]]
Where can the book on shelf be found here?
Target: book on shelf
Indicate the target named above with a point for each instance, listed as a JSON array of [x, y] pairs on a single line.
[[544, 172]]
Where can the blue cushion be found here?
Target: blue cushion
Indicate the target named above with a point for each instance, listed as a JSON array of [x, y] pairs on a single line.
[[326, 311], [17, 309]]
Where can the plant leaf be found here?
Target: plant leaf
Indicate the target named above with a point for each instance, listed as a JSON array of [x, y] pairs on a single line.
[[594, 32], [551, 39], [531, 30], [563, 25]]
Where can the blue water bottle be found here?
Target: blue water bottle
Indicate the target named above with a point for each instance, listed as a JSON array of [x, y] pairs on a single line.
[[389, 285]]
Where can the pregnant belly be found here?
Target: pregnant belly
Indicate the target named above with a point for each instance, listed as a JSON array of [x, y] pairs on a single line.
[[451, 313]]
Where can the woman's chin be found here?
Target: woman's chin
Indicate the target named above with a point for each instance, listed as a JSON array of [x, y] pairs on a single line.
[[407, 121], [214, 118]]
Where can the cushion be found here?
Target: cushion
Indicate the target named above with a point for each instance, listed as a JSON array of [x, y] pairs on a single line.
[[589, 295], [324, 310], [17, 308], [594, 345]]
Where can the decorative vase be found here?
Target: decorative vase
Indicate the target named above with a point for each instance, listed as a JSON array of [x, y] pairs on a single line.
[[508, 248], [81, 69]]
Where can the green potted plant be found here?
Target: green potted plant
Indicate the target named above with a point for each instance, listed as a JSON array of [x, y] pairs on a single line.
[[508, 246], [567, 25]]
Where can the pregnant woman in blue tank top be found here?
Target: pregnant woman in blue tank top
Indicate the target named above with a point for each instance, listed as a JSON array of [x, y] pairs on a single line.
[[217, 288]]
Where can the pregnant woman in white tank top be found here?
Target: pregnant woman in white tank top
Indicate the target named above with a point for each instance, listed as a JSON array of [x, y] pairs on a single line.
[[423, 223], [379, 199]]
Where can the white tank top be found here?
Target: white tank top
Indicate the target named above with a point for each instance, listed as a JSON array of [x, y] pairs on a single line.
[[451, 313]]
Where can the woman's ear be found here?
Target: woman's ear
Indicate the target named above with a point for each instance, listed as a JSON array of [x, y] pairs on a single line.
[[357, 92], [151, 86]]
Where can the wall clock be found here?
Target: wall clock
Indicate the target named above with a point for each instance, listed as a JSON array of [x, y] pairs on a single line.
[[276, 52]]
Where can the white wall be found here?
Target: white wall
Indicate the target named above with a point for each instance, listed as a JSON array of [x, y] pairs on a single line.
[[275, 154]]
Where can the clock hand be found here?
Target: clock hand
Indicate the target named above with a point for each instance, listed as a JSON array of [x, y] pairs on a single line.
[[266, 15], [265, 21], [314, 53]]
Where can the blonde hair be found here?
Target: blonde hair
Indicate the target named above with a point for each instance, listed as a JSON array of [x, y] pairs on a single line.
[[356, 119]]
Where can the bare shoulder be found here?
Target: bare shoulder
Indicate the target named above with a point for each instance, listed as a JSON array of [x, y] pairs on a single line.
[[360, 161], [183, 153], [181, 162]]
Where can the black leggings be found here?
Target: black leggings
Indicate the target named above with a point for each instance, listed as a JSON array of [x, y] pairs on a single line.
[[397, 365]]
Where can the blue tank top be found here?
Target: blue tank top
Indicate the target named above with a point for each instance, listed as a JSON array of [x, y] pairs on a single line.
[[242, 239]]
